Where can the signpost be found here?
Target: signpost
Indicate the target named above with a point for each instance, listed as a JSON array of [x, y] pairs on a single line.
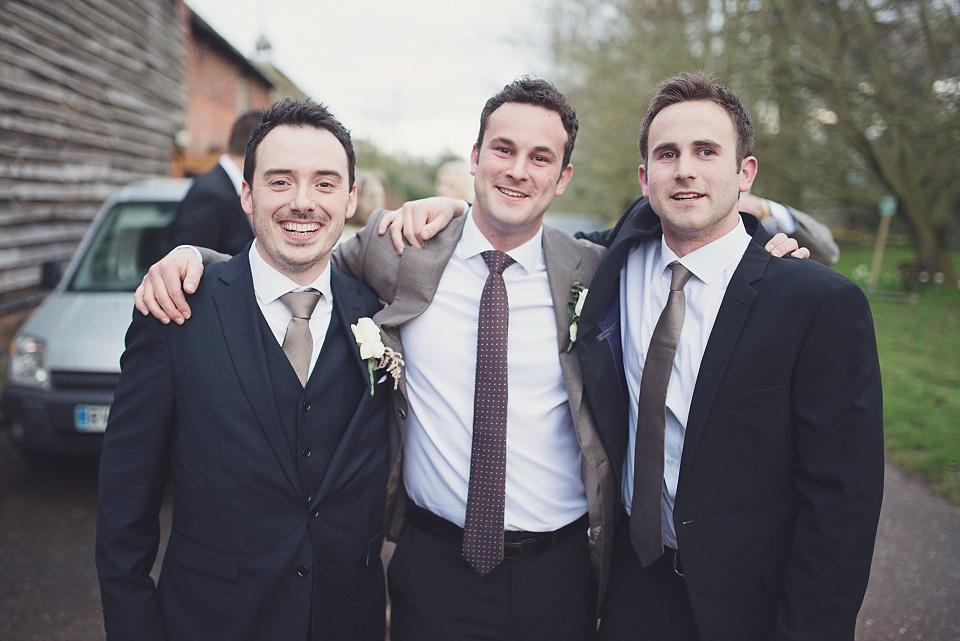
[[887, 207]]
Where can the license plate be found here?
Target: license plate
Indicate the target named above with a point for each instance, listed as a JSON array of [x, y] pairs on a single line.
[[91, 418]]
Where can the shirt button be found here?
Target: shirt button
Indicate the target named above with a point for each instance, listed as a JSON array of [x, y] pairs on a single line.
[[303, 570], [306, 407], [306, 452]]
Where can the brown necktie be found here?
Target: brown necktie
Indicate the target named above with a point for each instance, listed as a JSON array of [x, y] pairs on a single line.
[[298, 342], [483, 528], [646, 527]]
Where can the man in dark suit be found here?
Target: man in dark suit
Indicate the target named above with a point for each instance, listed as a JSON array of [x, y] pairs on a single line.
[[267, 418], [211, 214], [749, 459]]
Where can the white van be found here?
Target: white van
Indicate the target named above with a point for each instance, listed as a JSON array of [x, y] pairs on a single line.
[[65, 361]]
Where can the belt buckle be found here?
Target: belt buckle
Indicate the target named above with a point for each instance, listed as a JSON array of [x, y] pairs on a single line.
[[511, 551], [677, 565]]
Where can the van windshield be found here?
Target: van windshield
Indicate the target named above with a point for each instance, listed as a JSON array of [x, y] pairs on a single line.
[[131, 237]]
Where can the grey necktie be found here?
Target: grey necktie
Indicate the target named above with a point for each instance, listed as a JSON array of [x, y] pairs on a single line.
[[483, 527], [298, 342], [646, 527]]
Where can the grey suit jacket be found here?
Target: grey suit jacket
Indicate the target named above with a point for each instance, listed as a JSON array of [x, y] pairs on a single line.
[[407, 285]]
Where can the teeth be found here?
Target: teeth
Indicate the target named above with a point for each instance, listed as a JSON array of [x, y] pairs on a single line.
[[686, 196], [512, 193], [301, 228]]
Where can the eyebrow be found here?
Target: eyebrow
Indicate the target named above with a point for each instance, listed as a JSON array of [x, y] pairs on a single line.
[[539, 148], [696, 143], [322, 172]]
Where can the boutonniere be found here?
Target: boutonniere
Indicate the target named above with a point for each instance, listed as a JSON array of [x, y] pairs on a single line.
[[579, 295], [372, 350]]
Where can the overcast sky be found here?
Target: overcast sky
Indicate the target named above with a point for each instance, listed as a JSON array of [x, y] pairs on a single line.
[[410, 76]]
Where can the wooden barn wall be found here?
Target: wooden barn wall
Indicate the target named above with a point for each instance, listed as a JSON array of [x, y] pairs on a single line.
[[91, 97]]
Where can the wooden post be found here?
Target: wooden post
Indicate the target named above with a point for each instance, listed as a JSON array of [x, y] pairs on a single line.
[[886, 207]]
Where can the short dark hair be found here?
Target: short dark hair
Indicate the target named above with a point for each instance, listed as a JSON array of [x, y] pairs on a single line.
[[542, 93], [689, 87], [298, 113], [243, 126]]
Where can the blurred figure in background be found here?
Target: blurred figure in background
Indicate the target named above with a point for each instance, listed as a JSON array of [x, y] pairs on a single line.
[[454, 180], [808, 231], [210, 213], [371, 195]]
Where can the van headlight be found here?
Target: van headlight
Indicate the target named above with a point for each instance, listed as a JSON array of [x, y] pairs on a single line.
[[27, 363]]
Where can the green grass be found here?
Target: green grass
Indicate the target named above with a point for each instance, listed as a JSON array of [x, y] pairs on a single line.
[[919, 345]]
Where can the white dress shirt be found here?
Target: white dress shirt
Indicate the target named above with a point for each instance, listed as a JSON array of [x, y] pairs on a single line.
[[233, 172], [269, 285], [644, 286], [544, 490]]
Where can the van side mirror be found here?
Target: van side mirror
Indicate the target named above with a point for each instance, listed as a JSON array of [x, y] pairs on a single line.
[[50, 274]]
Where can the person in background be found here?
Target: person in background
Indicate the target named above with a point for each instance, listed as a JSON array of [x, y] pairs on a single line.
[[808, 231], [210, 214], [454, 181]]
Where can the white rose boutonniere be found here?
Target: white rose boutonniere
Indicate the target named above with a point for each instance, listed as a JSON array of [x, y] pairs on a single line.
[[579, 294], [372, 350]]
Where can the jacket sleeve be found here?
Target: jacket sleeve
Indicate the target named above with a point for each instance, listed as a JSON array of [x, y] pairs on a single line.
[[370, 258], [816, 237], [838, 423], [133, 465]]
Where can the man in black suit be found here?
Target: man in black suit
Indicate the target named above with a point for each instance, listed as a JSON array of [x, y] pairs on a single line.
[[754, 482], [211, 214], [279, 463]]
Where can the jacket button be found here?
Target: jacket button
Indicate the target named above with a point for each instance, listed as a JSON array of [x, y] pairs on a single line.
[[307, 498], [306, 407], [402, 413], [315, 514], [303, 570], [306, 452]]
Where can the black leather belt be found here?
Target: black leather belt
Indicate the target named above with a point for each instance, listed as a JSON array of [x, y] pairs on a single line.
[[516, 546]]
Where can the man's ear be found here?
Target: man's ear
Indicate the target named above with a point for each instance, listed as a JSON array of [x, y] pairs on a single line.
[[642, 178], [246, 198], [748, 173], [564, 179], [351, 202], [474, 159]]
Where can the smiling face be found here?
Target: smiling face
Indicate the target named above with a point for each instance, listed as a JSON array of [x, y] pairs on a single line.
[[299, 199], [518, 170], [692, 176]]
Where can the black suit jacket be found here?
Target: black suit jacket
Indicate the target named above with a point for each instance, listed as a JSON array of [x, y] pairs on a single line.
[[246, 545], [782, 468], [210, 215]]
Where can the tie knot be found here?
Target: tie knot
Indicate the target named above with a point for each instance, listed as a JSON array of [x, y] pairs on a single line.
[[680, 276], [301, 304], [496, 261]]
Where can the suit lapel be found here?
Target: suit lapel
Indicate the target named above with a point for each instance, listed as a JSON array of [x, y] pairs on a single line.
[[239, 317], [733, 313], [417, 280], [348, 304], [599, 346], [563, 261]]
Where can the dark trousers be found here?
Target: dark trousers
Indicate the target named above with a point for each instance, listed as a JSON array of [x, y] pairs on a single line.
[[436, 596], [644, 604]]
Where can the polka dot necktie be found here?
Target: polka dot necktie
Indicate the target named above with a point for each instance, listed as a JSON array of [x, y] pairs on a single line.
[[646, 516], [483, 528], [297, 341]]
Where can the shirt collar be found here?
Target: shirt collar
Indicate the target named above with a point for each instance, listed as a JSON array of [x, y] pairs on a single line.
[[233, 172], [472, 242], [712, 259], [269, 284]]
